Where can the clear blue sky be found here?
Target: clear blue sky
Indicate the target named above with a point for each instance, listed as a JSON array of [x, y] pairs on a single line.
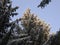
[[51, 13]]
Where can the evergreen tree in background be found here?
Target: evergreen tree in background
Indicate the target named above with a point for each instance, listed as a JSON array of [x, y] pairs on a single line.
[[56, 39]]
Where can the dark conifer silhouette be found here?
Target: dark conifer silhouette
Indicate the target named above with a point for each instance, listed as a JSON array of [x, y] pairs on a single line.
[[43, 3]]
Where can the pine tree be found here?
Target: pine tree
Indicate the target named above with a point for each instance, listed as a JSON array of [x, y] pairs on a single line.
[[6, 12], [56, 39], [36, 28]]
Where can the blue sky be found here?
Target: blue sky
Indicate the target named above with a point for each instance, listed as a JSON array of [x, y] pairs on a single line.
[[51, 13]]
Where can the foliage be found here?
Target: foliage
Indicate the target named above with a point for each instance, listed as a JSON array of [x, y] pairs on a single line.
[[43, 3], [6, 11], [37, 29], [56, 39], [30, 31]]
